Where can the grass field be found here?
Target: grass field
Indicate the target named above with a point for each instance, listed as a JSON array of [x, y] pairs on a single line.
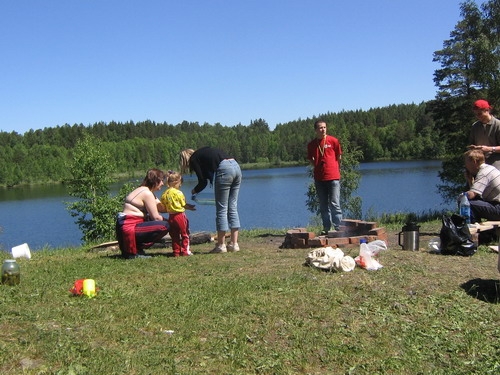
[[259, 311]]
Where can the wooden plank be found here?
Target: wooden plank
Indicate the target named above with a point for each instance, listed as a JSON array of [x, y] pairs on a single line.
[[481, 228], [491, 223], [195, 239], [105, 244]]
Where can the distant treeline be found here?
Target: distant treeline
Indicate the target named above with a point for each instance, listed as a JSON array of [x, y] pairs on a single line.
[[395, 132]]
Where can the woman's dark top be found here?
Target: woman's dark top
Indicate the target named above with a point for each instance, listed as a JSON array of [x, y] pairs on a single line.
[[204, 162]]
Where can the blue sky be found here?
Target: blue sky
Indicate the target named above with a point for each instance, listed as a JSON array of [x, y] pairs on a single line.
[[215, 61]]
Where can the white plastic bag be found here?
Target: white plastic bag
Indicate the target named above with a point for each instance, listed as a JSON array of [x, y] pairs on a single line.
[[376, 247], [347, 263], [367, 252], [435, 245]]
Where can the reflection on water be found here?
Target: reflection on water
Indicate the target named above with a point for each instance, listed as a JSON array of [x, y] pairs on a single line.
[[32, 192], [401, 187], [427, 167], [269, 198]]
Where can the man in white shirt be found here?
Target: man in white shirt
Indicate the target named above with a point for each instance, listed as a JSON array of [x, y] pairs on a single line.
[[484, 187]]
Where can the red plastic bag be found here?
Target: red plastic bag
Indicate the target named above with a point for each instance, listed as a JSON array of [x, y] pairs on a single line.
[[77, 289]]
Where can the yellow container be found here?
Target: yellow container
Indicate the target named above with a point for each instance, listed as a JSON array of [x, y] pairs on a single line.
[[89, 287]]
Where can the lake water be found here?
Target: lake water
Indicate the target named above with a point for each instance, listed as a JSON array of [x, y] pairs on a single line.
[[270, 198]]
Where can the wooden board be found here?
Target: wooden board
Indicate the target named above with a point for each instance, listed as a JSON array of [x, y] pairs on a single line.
[[105, 244], [491, 223], [481, 228], [195, 239]]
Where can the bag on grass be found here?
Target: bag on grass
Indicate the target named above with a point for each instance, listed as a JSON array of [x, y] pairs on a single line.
[[77, 288], [330, 259], [368, 252], [455, 237]]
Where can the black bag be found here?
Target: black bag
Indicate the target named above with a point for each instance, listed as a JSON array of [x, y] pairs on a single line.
[[455, 237]]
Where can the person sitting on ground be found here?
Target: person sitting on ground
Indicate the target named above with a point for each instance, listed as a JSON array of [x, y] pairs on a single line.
[[140, 224], [175, 203], [484, 187]]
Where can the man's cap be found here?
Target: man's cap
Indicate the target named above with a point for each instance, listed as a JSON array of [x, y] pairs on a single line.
[[482, 104]]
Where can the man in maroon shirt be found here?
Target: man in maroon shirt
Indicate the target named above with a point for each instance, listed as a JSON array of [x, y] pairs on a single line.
[[324, 152], [485, 133]]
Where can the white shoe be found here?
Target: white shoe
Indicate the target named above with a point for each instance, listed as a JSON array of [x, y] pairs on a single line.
[[233, 247], [219, 249]]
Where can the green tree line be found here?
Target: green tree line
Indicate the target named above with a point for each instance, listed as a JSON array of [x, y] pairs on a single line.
[[404, 131], [85, 156], [436, 129]]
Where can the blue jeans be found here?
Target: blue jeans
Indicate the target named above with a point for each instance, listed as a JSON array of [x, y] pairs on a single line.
[[227, 187], [329, 203], [480, 209]]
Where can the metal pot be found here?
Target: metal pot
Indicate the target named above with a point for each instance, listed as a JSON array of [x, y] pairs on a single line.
[[411, 236]]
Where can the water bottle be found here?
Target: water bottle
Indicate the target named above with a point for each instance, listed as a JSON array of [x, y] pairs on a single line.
[[364, 252], [465, 207]]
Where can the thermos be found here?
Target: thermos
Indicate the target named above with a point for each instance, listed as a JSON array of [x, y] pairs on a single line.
[[411, 235]]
